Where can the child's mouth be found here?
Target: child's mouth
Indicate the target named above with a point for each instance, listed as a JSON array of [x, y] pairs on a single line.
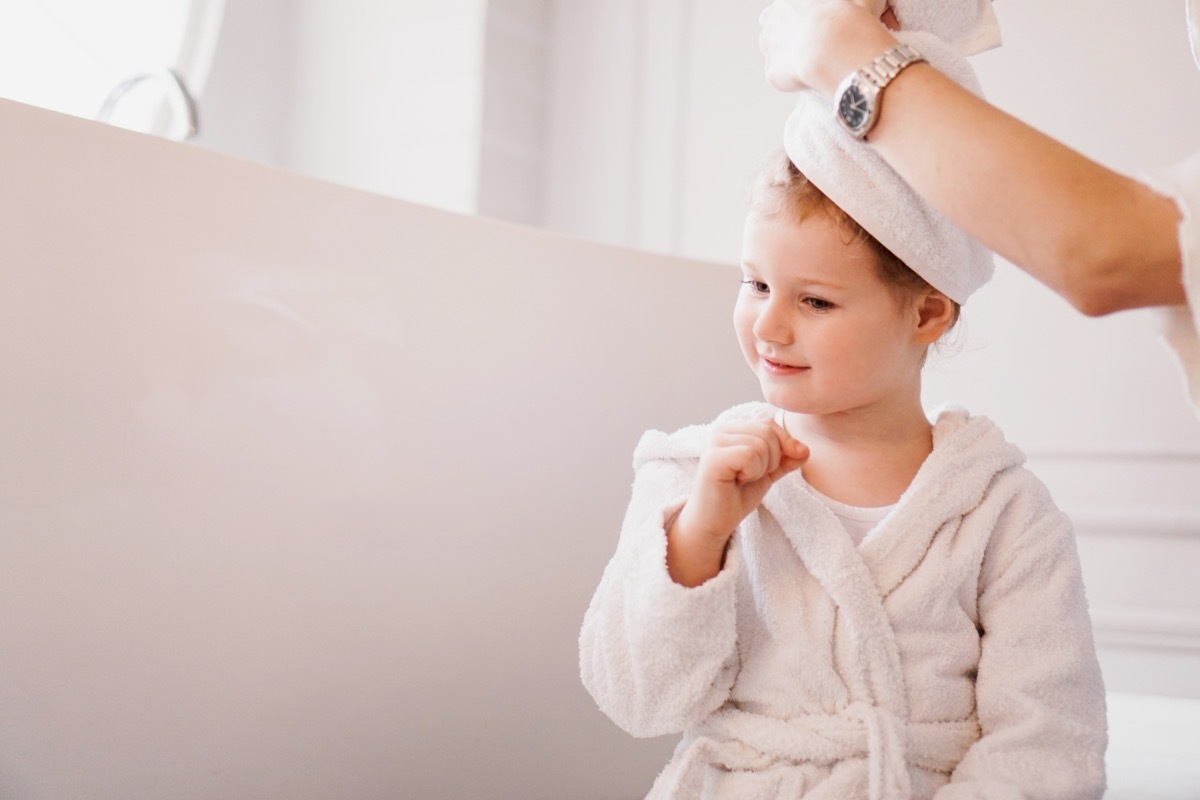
[[781, 368]]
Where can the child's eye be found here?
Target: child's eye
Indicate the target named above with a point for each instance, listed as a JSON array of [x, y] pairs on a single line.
[[817, 304], [758, 287]]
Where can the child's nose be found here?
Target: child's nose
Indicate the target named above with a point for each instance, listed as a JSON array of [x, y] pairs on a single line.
[[772, 324]]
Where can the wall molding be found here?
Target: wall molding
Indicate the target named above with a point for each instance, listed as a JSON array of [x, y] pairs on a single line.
[[1145, 524], [1111, 494], [1149, 628], [1137, 521]]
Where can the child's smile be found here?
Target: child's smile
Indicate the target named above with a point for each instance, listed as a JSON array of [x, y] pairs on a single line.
[[780, 368], [817, 324]]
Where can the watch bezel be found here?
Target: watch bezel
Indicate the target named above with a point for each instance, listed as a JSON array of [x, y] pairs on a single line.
[[870, 81], [855, 81]]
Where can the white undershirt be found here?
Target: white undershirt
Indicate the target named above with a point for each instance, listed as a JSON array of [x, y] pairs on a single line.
[[857, 521]]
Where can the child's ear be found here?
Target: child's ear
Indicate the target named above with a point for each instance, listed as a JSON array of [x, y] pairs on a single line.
[[935, 315]]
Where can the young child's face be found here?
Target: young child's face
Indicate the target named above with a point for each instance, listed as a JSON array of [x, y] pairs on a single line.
[[817, 325]]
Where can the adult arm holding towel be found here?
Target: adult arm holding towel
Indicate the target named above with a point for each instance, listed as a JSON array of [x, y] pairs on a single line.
[[1102, 240]]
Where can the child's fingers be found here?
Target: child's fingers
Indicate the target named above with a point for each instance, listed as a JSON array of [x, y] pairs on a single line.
[[792, 453], [786, 465], [747, 452], [738, 466], [752, 459], [739, 455]]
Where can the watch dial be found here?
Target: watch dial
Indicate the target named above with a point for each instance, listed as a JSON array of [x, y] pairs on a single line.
[[853, 107]]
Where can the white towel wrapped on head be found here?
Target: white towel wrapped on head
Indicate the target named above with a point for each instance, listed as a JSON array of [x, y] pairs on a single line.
[[855, 177]]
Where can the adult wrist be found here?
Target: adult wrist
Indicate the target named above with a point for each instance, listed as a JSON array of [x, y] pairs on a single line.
[[857, 99], [854, 39]]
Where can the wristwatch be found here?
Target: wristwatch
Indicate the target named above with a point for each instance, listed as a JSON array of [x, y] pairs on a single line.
[[857, 98]]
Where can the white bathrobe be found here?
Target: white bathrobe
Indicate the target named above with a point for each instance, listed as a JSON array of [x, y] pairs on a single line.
[[950, 655]]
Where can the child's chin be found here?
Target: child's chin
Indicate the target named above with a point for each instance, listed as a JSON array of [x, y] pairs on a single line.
[[786, 401]]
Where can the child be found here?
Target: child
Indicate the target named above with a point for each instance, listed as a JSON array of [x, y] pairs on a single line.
[[828, 595]]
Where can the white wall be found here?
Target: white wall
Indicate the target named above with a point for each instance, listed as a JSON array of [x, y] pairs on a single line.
[[443, 103], [513, 132], [660, 117], [245, 109], [422, 61]]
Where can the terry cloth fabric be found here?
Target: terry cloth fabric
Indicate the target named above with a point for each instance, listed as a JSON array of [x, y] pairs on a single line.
[[949, 656], [969, 26], [1181, 324], [855, 177]]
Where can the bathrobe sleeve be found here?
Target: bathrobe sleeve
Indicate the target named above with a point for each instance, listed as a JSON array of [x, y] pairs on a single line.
[[1039, 692], [1181, 324], [656, 656]]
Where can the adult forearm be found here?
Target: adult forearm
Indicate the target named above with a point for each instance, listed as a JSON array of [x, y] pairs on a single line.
[[1102, 240]]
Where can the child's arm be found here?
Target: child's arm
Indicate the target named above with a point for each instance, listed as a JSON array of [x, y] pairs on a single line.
[[658, 656], [1039, 693], [739, 464]]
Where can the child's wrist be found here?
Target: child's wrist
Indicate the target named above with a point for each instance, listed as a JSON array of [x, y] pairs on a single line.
[[689, 532], [694, 556]]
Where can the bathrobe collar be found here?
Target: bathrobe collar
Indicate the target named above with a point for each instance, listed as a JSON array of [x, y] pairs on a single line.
[[968, 453]]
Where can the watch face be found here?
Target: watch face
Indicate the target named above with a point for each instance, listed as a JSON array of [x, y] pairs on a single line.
[[853, 107]]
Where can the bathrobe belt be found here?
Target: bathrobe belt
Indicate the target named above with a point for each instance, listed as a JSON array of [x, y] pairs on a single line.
[[735, 740]]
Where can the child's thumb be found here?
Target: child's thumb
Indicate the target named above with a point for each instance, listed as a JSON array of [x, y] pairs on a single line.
[[796, 449], [793, 458]]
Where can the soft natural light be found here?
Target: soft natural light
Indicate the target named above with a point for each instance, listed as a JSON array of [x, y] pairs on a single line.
[[131, 59]]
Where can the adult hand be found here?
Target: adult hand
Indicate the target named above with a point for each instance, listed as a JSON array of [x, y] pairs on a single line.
[[816, 43]]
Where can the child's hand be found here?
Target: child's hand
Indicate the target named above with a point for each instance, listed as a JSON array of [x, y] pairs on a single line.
[[738, 465]]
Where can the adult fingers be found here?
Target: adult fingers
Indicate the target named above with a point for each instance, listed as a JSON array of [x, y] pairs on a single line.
[[888, 18]]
